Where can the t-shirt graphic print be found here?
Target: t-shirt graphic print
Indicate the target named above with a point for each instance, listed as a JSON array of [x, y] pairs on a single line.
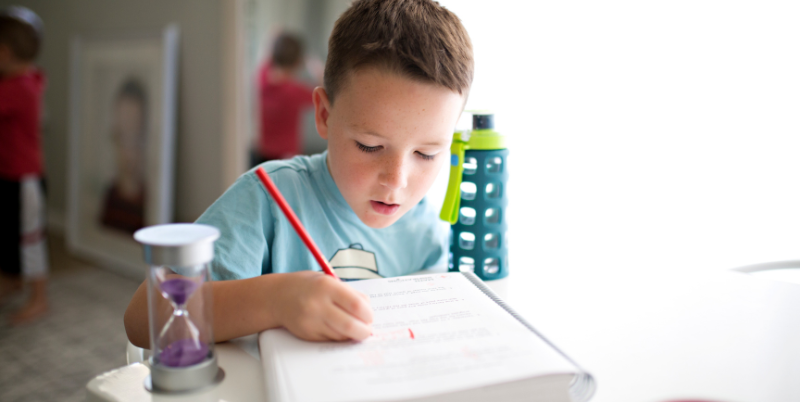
[[354, 263]]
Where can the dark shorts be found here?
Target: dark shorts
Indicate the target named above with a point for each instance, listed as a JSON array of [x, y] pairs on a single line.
[[22, 228]]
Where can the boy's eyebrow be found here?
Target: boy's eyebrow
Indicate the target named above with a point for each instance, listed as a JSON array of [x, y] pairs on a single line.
[[372, 133], [431, 143]]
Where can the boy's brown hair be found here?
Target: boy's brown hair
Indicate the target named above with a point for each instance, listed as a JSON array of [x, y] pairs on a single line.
[[418, 39], [20, 30]]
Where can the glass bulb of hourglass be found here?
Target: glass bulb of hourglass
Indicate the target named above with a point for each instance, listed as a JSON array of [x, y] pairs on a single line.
[[183, 344]]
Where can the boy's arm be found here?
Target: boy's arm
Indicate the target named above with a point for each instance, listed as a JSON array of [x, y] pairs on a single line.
[[311, 305]]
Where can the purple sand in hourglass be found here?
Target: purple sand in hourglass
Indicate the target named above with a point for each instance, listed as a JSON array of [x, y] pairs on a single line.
[[179, 289], [183, 352]]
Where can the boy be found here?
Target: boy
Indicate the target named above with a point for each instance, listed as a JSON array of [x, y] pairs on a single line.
[[22, 243], [396, 80]]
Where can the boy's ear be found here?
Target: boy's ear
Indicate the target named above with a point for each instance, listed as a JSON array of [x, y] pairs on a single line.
[[322, 110]]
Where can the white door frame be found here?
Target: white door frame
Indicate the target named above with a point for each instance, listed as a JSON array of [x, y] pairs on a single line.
[[234, 146]]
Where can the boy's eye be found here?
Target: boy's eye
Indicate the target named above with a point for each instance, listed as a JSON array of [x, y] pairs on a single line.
[[426, 157], [366, 148]]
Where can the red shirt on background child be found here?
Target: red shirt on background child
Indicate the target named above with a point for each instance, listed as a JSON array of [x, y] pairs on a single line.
[[20, 104], [22, 204], [281, 105]]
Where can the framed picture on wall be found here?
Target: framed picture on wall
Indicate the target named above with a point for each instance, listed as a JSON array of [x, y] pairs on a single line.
[[123, 113]]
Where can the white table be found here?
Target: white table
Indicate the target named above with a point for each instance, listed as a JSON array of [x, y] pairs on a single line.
[[724, 336], [727, 337], [239, 359]]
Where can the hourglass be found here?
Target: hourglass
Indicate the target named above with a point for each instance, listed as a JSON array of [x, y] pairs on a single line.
[[179, 306], [187, 348]]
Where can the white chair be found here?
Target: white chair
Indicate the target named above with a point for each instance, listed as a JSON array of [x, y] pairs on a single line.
[[786, 271], [135, 354]]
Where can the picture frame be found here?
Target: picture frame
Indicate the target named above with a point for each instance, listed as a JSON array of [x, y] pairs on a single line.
[[123, 100]]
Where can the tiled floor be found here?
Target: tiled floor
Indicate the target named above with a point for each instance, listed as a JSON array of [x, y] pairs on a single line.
[[82, 335]]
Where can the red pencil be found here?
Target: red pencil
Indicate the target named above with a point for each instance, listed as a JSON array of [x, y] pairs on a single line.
[[298, 227]]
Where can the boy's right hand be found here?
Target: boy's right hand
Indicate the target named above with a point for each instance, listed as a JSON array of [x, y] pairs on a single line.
[[316, 307]]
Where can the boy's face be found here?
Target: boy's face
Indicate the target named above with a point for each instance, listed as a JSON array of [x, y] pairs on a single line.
[[388, 138]]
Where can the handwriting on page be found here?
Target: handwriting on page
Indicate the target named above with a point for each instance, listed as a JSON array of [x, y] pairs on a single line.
[[438, 318], [407, 292], [422, 329], [417, 304]]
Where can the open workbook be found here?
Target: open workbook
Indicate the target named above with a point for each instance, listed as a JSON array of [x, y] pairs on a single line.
[[439, 337]]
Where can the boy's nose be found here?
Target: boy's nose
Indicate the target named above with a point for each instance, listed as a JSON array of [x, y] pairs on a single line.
[[394, 173]]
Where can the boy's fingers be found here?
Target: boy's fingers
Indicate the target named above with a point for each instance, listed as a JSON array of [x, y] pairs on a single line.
[[346, 325], [353, 302], [330, 334]]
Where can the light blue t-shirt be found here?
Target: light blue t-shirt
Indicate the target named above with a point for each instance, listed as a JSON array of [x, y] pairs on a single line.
[[256, 238]]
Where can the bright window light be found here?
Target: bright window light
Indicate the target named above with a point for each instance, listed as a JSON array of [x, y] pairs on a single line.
[[644, 135]]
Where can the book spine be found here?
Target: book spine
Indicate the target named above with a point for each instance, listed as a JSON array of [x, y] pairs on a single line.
[[583, 386]]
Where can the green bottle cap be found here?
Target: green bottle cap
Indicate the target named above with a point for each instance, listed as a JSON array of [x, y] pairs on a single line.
[[483, 135]]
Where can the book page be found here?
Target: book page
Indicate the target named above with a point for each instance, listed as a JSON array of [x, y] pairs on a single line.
[[432, 334]]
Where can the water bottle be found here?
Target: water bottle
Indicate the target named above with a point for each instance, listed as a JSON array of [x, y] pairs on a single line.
[[476, 200]]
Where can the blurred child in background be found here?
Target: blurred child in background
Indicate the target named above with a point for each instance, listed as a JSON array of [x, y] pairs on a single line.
[[282, 99], [23, 250]]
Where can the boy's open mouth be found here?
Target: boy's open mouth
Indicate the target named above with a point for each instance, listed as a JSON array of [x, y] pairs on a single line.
[[384, 208]]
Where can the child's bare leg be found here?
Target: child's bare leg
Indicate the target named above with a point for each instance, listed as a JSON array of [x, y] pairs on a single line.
[[9, 285], [33, 249], [37, 305]]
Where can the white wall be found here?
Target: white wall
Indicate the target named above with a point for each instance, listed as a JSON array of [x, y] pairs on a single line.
[[645, 136], [198, 166]]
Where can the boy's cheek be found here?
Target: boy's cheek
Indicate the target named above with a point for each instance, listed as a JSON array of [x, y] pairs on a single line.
[[357, 178], [424, 181]]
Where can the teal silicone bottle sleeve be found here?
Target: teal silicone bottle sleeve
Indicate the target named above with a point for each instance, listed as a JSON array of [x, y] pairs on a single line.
[[479, 237]]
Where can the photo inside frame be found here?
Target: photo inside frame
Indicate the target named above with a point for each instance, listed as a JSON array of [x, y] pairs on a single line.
[[118, 169]]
